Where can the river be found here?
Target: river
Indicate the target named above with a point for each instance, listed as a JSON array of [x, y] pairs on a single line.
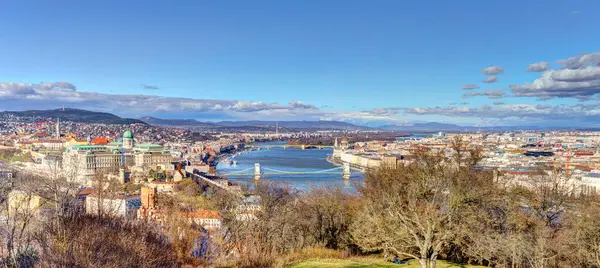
[[290, 160]]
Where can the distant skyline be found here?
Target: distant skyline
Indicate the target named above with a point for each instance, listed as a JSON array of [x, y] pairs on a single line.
[[372, 63]]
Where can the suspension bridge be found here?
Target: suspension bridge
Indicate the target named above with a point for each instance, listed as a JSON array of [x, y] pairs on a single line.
[[297, 146], [258, 172]]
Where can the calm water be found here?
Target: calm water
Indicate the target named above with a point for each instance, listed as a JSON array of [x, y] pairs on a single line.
[[290, 160]]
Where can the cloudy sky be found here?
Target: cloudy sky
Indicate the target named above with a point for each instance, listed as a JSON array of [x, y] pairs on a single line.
[[467, 62]]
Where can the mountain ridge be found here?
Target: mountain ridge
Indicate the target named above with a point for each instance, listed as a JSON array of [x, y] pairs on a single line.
[[300, 124], [87, 116], [77, 115]]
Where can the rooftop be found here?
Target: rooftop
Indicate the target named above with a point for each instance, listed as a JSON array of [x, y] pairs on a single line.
[[149, 145], [128, 135]]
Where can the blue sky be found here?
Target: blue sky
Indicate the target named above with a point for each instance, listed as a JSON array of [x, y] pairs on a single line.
[[369, 62]]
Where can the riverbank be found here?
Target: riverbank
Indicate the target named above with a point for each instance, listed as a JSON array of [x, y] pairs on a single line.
[[298, 168], [338, 162], [221, 157]]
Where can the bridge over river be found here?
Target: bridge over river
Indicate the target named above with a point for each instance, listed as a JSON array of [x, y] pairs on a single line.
[[298, 146], [257, 172]]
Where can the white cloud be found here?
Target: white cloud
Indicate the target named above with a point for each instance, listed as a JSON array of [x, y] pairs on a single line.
[[151, 87], [52, 95], [301, 105], [491, 94], [493, 70], [23, 96], [470, 86], [580, 61], [565, 83], [538, 67], [548, 113], [490, 79]]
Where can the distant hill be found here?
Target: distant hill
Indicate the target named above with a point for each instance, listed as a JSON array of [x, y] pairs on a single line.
[[177, 122], [431, 126], [338, 125], [253, 125], [77, 115]]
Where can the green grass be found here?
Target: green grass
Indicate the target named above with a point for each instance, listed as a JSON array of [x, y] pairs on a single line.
[[370, 262]]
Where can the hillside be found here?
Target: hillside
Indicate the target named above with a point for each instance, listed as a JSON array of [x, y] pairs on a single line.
[[77, 115], [296, 124], [177, 122], [253, 125], [431, 126]]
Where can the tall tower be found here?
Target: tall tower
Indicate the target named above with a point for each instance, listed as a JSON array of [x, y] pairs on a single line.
[[148, 196], [128, 140], [277, 128], [57, 130]]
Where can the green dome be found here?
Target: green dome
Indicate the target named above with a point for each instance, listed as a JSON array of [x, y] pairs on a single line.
[[128, 135]]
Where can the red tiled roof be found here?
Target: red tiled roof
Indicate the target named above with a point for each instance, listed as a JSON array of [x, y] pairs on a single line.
[[86, 191], [100, 141]]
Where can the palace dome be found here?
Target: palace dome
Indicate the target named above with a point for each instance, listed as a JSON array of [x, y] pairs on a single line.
[[128, 135]]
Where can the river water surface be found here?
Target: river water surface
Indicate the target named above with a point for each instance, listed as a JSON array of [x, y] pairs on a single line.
[[290, 160]]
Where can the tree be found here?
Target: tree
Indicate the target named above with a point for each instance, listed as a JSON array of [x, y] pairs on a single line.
[[584, 245], [410, 210], [325, 216], [19, 221], [103, 241], [269, 233], [521, 222]]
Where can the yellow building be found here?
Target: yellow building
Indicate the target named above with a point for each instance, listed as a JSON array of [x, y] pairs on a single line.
[[23, 202], [74, 142]]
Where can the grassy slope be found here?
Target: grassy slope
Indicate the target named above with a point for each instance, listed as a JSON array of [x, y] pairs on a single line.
[[369, 262]]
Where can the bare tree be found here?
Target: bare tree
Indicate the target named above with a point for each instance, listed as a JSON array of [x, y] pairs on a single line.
[[269, 232], [410, 211], [325, 216], [584, 233], [101, 241], [19, 210]]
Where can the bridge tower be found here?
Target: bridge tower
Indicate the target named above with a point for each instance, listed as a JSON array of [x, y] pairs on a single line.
[[256, 171], [346, 171]]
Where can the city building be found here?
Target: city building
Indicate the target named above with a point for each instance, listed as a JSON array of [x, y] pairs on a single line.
[[128, 141], [121, 205], [22, 202], [82, 162], [210, 220]]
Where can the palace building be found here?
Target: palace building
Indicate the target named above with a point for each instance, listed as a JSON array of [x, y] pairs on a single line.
[[82, 162]]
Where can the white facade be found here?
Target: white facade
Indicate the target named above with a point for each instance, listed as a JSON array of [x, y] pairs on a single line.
[[128, 143], [122, 207], [363, 161], [151, 159], [82, 163]]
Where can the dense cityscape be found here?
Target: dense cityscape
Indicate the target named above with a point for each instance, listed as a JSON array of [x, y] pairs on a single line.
[[131, 171], [300, 134]]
